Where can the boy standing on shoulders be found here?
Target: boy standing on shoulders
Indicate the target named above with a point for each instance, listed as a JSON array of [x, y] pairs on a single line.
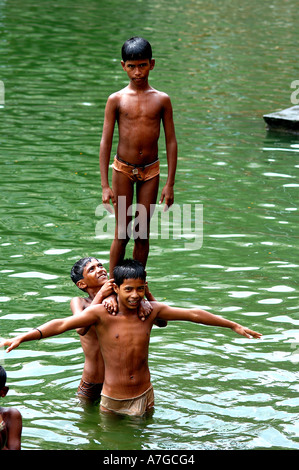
[[124, 339], [138, 110]]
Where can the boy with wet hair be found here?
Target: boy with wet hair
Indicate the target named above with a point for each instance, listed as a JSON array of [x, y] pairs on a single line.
[[136, 48], [124, 339], [91, 277], [138, 109], [10, 420]]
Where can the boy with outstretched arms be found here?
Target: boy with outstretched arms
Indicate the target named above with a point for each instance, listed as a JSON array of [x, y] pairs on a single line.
[[91, 277], [138, 110], [124, 339]]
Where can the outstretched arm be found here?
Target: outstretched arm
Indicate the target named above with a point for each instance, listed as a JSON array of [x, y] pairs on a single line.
[[54, 328], [202, 316], [105, 296], [158, 321]]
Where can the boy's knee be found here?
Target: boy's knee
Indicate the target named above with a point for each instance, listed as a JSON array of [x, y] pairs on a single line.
[[141, 241], [141, 232]]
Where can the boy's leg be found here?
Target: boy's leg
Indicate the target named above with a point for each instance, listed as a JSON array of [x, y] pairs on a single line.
[[123, 189], [147, 192]]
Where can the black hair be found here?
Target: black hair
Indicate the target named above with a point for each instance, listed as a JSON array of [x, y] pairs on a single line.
[[77, 269], [136, 48], [128, 269], [2, 377]]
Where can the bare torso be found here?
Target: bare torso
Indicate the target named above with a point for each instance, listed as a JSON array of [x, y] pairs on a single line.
[[124, 343], [93, 371], [139, 115], [10, 429], [3, 430]]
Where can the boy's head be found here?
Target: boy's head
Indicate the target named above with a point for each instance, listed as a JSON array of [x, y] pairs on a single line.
[[128, 269], [3, 388], [136, 48], [77, 269], [88, 272]]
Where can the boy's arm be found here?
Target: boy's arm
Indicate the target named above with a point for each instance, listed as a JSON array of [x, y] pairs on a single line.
[[77, 307], [14, 430], [158, 321], [105, 150], [77, 303], [90, 316], [107, 297], [202, 316], [171, 152]]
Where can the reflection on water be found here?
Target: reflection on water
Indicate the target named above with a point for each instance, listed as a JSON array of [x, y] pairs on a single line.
[[224, 66]]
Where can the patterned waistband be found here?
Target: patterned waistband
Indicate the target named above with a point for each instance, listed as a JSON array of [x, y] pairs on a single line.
[[134, 165]]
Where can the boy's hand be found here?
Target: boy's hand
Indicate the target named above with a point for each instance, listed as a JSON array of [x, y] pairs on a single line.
[[11, 343], [241, 330], [110, 303], [107, 289], [107, 194], [144, 310], [168, 195]]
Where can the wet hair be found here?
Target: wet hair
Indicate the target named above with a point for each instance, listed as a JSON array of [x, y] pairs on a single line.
[[128, 269], [78, 268], [136, 48], [2, 377]]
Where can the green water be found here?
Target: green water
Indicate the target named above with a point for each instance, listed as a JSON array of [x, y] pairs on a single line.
[[224, 64]]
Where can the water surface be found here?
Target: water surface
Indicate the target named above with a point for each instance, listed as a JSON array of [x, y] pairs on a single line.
[[224, 64]]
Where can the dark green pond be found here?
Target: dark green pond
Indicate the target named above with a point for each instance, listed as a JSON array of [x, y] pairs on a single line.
[[224, 64]]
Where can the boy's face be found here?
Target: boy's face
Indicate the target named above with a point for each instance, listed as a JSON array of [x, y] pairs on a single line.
[[138, 70], [94, 275], [131, 292]]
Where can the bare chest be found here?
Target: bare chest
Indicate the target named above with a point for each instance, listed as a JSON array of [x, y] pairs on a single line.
[[125, 334], [140, 107]]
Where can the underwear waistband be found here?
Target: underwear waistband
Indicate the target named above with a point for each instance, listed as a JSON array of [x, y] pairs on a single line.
[[135, 165], [131, 398]]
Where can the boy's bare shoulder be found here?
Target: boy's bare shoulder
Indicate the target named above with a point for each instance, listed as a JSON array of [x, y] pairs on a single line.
[[118, 94], [79, 303], [156, 308], [161, 93], [114, 100], [12, 413], [96, 313], [97, 308], [163, 97]]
